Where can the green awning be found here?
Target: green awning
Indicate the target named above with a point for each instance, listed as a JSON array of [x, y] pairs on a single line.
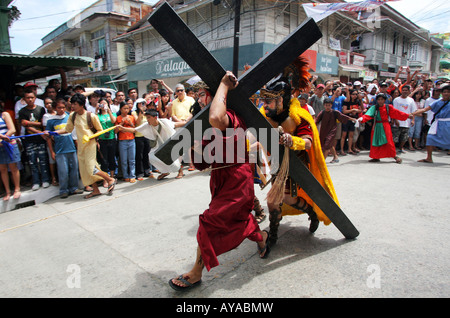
[[30, 67]]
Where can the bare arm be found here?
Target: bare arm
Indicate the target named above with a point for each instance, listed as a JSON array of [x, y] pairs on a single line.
[[166, 87], [218, 117]]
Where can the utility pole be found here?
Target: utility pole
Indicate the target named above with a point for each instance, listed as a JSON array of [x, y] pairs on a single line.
[[5, 45], [237, 25]]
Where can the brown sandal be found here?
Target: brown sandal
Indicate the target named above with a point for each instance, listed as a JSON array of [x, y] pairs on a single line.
[[162, 176], [91, 195]]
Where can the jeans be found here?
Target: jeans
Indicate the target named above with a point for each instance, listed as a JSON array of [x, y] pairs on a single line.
[[414, 131], [38, 159], [127, 151], [67, 165]]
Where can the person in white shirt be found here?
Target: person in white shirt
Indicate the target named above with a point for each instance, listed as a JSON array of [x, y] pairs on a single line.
[[158, 130], [93, 99], [400, 128], [435, 95]]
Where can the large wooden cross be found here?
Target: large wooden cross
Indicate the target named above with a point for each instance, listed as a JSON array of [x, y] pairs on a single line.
[[173, 29]]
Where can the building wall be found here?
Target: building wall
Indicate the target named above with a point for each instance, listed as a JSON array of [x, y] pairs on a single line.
[[78, 41]]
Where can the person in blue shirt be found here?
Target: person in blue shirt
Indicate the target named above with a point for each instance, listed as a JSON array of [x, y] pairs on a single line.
[[338, 101], [63, 151]]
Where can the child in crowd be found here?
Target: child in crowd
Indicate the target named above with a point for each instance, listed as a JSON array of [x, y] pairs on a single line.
[[328, 119]]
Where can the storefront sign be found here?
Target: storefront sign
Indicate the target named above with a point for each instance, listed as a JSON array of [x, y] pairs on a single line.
[[327, 64], [392, 75], [171, 68], [358, 60], [368, 75]]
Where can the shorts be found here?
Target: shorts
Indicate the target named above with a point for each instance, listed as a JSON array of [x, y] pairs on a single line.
[[348, 126], [400, 134], [5, 157]]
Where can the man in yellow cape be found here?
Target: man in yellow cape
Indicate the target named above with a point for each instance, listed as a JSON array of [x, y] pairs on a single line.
[[301, 135]]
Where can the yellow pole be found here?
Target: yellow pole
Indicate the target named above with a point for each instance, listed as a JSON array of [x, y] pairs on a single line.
[[86, 138]]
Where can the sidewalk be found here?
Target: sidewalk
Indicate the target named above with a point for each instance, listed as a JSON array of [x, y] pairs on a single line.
[[29, 198], [132, 243]]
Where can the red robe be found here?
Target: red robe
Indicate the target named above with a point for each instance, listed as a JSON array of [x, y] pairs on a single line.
[[228, 220], [387, 150]]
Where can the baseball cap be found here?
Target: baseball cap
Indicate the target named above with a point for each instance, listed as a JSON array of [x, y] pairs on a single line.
[[303, 96], [320, 86], [357, 83], [30, 84], [384, 84]]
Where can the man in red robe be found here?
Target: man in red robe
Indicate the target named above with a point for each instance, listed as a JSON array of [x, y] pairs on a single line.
[[383, 145], [228, 220]]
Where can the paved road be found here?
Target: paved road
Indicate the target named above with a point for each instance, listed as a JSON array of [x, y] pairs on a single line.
[[131, 244]]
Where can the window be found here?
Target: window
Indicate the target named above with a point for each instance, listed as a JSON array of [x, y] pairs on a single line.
[[130, 51], [414, 51], [395, 43], [286, 19]]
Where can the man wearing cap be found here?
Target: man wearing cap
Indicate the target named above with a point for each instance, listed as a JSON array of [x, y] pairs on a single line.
[[316, 101], [357, 85], [382, 90]]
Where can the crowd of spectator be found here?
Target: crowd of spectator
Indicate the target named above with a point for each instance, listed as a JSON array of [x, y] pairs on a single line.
[[123, 153]]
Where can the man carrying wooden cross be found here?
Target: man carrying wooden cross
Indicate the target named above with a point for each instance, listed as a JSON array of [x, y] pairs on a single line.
[[228, 220]]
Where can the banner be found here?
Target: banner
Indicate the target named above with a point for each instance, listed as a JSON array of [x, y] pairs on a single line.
[[319, 11]]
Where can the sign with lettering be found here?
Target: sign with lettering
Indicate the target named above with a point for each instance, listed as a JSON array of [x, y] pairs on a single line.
[[171, 68], [327, 64], [358, 60]]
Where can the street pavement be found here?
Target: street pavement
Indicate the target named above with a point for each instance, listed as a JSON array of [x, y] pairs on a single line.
[[130, 244]]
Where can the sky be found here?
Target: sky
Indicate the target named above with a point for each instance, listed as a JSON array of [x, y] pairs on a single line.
[[40, 17]]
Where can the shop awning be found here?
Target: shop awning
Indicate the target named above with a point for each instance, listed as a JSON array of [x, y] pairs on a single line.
[[30, 67], [122, 77]]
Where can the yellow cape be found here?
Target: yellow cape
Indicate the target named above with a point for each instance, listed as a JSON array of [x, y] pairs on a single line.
[[317, 163]]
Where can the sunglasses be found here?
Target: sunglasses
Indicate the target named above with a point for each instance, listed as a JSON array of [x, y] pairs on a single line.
[[180, 90]]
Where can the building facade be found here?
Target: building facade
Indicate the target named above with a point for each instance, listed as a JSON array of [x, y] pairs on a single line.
[[263, 25], [90, 33], [129, 52], [395, 42]]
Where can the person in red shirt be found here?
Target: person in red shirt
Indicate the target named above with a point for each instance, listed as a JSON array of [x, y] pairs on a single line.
[[228, 220], [383, 145]]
